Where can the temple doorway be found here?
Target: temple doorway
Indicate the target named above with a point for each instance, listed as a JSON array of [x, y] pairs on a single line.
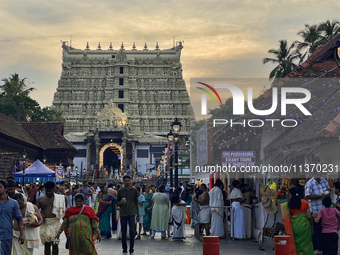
[[112, 158], [109, 154]]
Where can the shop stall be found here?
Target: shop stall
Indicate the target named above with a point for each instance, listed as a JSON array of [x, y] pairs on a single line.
[[37, 172]]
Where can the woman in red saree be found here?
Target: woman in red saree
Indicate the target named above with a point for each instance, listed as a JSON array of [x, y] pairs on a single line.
[[296, 217], [85, 230]]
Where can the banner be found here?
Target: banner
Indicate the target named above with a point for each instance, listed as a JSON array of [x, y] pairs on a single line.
[[59, 172]]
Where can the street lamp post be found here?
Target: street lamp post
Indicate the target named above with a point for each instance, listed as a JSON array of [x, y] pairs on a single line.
[[176, 128], [61, 164], [44, 159], [76, 175], [166, 155], [170, 138], [69, 174], [24, 155]]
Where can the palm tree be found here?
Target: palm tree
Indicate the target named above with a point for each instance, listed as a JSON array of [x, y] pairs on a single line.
[[330, 29], [14, 96], [301, 56], [312, 38], [284, 57]]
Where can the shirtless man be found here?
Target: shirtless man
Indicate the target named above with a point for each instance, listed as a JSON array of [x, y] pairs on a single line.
[[205, 212], [51, 221], [31, 233], [111, 191]]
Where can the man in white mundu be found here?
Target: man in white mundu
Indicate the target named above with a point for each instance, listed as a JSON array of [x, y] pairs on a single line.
[[32, 220], [236, 219], [217, 214]]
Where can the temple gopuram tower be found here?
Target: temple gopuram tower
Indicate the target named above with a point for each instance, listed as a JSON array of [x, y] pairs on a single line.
[[119, 104]]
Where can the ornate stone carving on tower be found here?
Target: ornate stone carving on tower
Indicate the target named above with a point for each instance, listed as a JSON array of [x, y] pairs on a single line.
[[111, 116]]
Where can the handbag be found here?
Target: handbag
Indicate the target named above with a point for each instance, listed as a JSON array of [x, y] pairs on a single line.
[[67, 245]]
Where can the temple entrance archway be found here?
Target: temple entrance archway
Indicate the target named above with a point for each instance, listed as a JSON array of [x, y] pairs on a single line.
[[112, 158], [113, 150]]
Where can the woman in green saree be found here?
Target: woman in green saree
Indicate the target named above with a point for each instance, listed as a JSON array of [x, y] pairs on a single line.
[[297, 217], [148, 211], [106, 203]]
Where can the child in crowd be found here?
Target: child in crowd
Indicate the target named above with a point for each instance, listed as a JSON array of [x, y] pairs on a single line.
[[141, 200], [329, 224]]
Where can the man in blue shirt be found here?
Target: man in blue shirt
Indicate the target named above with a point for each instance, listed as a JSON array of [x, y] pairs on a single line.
[[315, 190], [8, 209], [167, 187]]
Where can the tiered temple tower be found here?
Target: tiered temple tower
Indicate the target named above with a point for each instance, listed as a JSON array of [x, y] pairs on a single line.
[[121, 100]]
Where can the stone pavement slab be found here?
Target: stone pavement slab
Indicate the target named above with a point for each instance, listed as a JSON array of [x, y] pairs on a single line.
[[157, 246]]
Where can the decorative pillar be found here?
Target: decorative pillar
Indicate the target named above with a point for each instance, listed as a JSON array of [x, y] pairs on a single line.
[[97, 155], [97, 141], [124, 153], [88, 156], [133, 157]]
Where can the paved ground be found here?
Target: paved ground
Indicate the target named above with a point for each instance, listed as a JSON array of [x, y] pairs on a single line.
[[190, 246]]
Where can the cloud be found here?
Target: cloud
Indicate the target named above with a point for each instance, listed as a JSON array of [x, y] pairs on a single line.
[[221, 38]]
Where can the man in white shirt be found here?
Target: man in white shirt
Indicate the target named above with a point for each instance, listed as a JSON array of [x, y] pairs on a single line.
[[111, 172], [182, 187], [237, 222], [217, 214]]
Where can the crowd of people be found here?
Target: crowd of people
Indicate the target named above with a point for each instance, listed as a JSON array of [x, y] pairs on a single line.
[[109, 174], [313, 222], [87, 213]]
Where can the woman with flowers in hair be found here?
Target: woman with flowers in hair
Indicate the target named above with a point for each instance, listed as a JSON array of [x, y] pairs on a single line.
[[298, 223]]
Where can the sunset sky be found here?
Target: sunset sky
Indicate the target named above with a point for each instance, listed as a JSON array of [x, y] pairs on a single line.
[[222, 39]]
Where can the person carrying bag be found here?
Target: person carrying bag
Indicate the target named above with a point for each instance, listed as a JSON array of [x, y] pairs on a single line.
[[67, 245], [81, 223]]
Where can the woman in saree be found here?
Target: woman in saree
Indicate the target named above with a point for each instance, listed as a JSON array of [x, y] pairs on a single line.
[[106, 202], [85, 230], [148, 210], [297, 217]]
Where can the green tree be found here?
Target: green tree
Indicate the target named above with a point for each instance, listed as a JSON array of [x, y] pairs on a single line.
[[284, 57], [312, 38], [225, 111], [330, 29], [16, 103], [301, 56], [14, 98], [50, 114]]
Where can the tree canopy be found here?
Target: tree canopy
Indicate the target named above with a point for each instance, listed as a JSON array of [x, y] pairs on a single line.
[[289, 58], [224, 111], [16, 103]]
